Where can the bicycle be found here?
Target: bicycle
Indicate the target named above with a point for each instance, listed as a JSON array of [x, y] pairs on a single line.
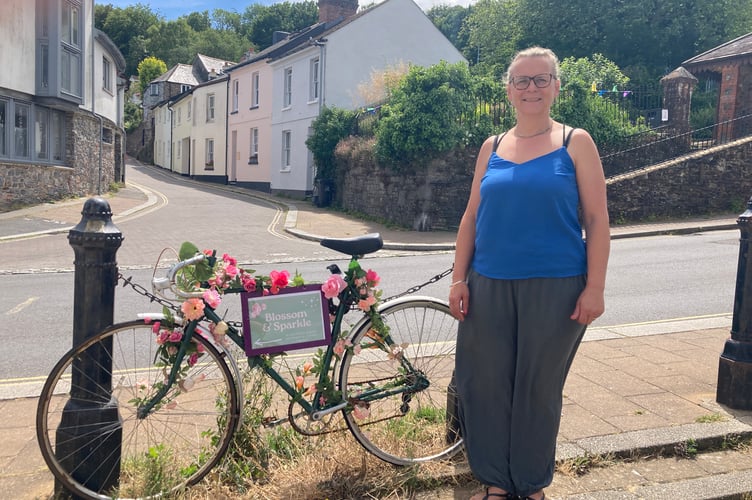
[[172, 404]]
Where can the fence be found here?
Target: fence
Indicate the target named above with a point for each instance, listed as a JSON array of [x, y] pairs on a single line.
[[658, 145]]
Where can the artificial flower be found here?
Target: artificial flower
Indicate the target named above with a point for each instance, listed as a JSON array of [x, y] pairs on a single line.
[[193, 309]]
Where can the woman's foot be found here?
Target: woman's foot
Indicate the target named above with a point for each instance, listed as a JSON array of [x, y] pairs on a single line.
[[493, 493], [538, 495]]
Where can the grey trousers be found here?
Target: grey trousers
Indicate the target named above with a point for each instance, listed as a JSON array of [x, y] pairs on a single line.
[[514, 350]]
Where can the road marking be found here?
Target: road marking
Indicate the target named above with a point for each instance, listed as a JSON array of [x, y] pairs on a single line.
[[23, 305]]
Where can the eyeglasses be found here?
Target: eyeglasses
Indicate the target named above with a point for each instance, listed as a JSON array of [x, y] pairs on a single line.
[[523, 82]]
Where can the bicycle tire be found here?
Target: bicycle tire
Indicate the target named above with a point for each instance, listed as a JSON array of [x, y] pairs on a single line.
[[172, 448], [405, 428]]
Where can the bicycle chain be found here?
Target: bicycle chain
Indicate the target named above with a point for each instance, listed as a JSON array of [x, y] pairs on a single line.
[[415, 288], [146, 293]]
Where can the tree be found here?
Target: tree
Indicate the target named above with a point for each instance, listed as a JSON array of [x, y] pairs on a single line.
[[450, 20], [584, 71], [172, 41], [199, 21], [121, 25], [332, 125], [263, 21], [149, 69], [423, 116], [651, 36], [493, 35]]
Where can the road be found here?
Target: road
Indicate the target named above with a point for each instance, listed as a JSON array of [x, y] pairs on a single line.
[[650, 279]]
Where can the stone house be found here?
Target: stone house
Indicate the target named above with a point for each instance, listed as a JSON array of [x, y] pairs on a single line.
[[61, 103]]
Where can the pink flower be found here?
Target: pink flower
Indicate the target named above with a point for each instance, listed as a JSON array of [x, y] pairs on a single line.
[[192, 309], [230, 260], [147, 320], [249, 283], [372, 277], [339, 347], [155, 327], [279, 279], [366, 303], [333, 286], [175, 336], [311, 389], [256, 310], [163, 336], [212, 298], [231, 270], [193, 359], [361, 411], [299, 381], [307, 366]]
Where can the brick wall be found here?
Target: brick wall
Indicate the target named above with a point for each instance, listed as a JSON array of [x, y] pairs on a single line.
[[433, 196], [24, 184]]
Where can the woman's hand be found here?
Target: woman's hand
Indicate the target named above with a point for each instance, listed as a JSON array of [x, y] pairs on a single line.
[[459, 299], [590, 305]]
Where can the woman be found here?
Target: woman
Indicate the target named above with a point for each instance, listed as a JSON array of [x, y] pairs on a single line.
[[525, 284]]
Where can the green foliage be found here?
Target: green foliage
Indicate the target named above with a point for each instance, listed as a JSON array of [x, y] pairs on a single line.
[[586, 70], [122, 26], [606, 122], [332, 125], [423, 116], [262, 21], [133, 114], [149, 69], [493, 35]]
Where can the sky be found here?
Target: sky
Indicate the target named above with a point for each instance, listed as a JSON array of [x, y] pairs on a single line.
[[172, 9]]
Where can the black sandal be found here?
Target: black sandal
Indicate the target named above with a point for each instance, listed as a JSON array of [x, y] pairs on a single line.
[[488, 495]]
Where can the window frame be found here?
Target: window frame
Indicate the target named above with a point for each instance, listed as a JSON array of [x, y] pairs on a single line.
[[286, 150], [209, 154], [287, 86], [253, 148], [210, 107], [314, 89], [106, 74], [255, 91]]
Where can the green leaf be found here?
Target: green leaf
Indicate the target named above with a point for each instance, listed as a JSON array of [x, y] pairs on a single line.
[[187, 250]]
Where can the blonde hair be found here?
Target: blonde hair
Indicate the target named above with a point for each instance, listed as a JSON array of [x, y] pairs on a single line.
[[535, 52]]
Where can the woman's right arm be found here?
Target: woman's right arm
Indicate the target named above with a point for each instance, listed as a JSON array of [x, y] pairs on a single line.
[[459, 295]]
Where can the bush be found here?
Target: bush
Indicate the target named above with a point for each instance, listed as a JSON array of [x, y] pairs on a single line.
[[331, 126], [423, 116]]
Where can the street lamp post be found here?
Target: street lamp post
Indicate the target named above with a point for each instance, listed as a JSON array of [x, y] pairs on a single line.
[[735, 366]]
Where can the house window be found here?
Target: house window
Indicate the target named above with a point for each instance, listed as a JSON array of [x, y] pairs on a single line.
[[41, 133], [255, 90], [209, 154], [57, 136], [21, 131], [235, 92], [286, 149], [70, 47], [106, 74], [253, 157], [313, 91], [184, 88], [210, 107], [3, 114], [153, 89], [287, 94]]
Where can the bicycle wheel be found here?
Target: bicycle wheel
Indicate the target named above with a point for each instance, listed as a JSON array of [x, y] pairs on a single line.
[[98, 446], [403, 415]]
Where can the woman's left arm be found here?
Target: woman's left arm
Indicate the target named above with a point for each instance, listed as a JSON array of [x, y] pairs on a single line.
[[592, 187]]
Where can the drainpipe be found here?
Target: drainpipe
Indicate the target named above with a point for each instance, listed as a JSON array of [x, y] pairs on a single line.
[[169, 108], [93, 106]]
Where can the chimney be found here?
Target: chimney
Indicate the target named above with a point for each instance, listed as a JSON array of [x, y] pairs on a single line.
[[331, 10]]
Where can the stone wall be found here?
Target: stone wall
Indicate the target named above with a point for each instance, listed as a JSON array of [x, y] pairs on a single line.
[[24, 184], [433, 196]]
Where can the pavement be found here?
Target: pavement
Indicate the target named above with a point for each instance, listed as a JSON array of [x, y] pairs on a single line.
[[638, 390]]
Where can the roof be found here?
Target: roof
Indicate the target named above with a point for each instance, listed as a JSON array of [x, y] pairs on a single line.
[[739, 48], [180, 73], [212, 63]]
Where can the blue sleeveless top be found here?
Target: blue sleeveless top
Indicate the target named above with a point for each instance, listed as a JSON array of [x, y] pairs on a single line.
[[527, 224]]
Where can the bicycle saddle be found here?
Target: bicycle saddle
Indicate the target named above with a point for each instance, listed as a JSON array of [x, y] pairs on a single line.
[[359, 245]]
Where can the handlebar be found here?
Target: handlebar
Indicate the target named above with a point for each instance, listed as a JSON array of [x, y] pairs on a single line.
[[159, 285]]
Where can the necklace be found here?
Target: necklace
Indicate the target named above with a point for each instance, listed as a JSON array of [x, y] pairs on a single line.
[[536, 134]]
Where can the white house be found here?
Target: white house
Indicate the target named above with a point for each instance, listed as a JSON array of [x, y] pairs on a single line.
[[61, 103], [327, 70], [275, 95]]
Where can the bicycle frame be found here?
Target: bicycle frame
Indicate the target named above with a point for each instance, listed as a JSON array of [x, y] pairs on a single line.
[[314, 409]]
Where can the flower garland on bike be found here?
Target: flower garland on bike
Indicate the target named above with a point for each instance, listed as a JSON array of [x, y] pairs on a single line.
[[213, 276]]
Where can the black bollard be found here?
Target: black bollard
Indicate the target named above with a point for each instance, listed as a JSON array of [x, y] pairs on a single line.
[[735, 367], [90, 410]]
